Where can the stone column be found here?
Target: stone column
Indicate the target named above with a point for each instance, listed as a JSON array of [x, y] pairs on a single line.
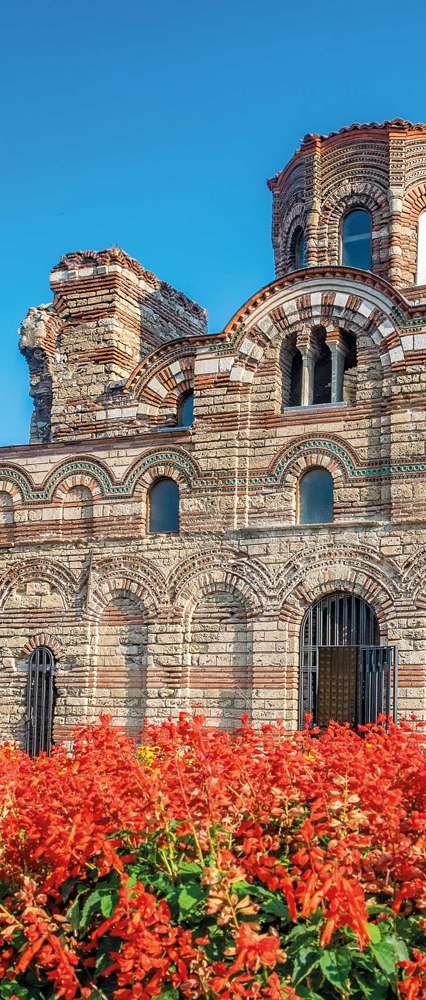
[[339, 351], [308, 347]]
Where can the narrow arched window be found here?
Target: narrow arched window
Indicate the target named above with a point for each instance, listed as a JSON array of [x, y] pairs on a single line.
[[185, 413], [295, 394], [421, 250], [298, 249], [322, 373], [356, 250], [316, 497], [163, 506], [40, 701]]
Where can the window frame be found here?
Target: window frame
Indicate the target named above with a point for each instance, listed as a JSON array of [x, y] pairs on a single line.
[[350, 211], [167, 531], [306, 472]]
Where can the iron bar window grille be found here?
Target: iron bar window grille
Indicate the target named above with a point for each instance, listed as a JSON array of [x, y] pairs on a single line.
[[40, 701]]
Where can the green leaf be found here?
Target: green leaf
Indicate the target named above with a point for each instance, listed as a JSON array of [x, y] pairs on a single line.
[[399, 946], [189, 896], [90, 906], [108, 901], [307, 994], [187, 869], [335, 965], [73, 915], [385, 957], [374, 933], [305, 961], [371, 988]]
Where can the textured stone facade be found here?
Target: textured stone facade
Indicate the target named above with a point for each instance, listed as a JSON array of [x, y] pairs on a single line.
[[146, 624]]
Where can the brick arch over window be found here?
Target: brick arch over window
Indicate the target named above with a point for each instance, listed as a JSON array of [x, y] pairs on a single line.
[[413, 205], [44, 639], [219, 651], [356, 569], [84, 471], [159, 381], [350, 195]]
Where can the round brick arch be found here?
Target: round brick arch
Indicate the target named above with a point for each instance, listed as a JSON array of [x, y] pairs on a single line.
[[351, 194]]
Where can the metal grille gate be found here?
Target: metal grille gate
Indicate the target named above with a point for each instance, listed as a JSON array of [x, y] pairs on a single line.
[[338, 620], [40, 701]]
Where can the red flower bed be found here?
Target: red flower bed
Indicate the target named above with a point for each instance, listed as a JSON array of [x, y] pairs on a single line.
[[210, 865]]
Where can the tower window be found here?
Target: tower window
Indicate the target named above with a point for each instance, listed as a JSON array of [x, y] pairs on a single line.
[[163, 504], [356, 239], [316, 497], [322, 373], [298, 249], [421, 250], [185, 413]]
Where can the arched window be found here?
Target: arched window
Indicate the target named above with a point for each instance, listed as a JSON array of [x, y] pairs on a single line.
[[185, 413], [40, 701], [356, 239], [291, 365], [322, 372], [298, 249], [316, 497], [421, 250], [163, 504]]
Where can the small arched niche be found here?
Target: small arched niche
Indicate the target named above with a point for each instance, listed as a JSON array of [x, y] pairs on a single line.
[[163, 507], [315, 501], [356, 239]]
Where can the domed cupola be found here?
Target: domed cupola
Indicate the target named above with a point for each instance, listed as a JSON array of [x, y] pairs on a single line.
[[355, 198]]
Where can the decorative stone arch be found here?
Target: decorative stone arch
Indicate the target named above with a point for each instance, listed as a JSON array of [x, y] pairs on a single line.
[[290, 467], [356, 569], [329, 452], [62, 491], [175, 464], [348, 195], [159, 381], [16, 482], [226, 568], [59, 577], [413, 577], [126, 575], [84, 470], [414, 203]]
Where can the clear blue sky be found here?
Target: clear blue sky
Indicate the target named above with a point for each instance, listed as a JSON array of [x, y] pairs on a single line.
[[155, 125]]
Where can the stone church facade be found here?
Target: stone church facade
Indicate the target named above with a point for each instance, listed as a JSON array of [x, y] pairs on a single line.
[[152, 560]]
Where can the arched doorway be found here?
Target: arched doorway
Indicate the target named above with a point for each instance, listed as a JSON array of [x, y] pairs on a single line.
[[345, 674]]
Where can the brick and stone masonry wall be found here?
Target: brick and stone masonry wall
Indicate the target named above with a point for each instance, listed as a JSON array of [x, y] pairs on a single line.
[[145, 625]]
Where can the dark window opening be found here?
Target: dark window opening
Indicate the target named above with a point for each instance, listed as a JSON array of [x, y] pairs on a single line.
[[322, 374], [295, 395], [40, 701], [356, 240], [316, 497], [185, 413], [163, 502], [298, 249], [348, 391]]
